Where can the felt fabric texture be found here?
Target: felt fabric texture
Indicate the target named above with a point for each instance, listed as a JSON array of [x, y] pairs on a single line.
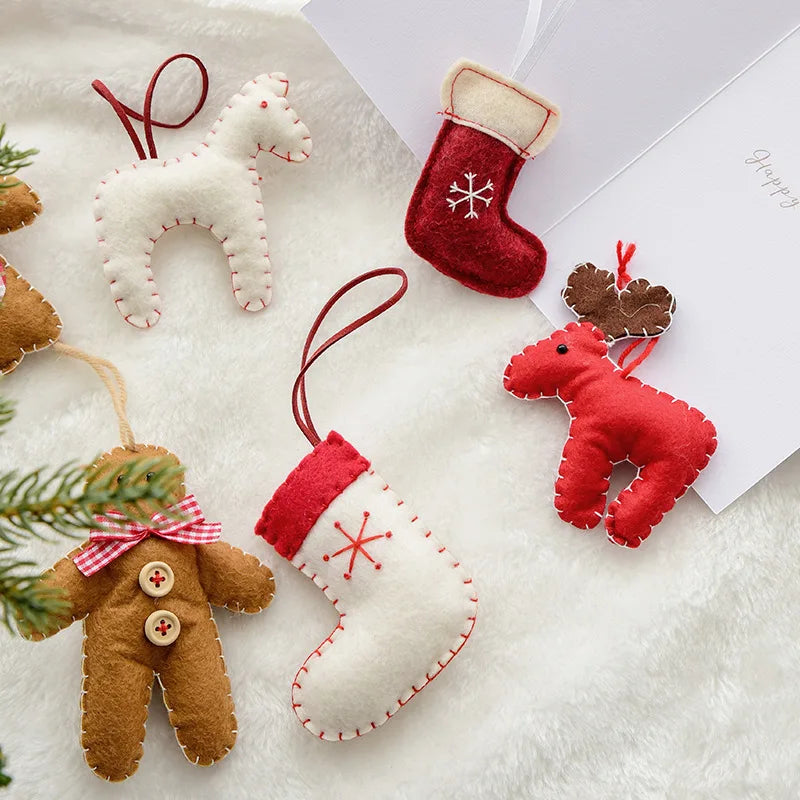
[[457, 217], [480, 98], [28, 322], [19, 204], [310, 488], [406, 605], [587, 675], [181, 522], [613, 418], [119, 663], [113, 460], [214, 186], [638, 309]]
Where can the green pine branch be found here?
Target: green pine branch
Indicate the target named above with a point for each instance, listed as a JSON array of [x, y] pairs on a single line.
[[4, 779], [24, 601], [12, 159], [6, 413], [65, 501]]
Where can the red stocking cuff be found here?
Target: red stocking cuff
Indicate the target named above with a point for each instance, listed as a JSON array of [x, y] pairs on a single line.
[[313, 485]]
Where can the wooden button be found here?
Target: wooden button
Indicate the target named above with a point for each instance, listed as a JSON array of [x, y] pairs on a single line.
[[162, 628], [156, 579]]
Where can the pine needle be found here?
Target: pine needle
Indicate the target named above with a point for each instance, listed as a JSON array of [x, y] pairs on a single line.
[[12, 159], [65, 500], [4, 779]]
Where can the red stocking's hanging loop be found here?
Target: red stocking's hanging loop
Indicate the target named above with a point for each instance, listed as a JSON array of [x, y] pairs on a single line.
[[126, 113], [302, 415]]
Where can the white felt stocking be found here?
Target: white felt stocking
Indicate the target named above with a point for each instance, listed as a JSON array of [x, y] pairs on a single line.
[[406, 605]]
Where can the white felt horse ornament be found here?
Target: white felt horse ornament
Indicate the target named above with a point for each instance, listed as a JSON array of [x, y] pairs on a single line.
[[214, 186]]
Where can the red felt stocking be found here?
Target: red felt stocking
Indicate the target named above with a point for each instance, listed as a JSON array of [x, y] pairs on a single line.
[[457, 218]]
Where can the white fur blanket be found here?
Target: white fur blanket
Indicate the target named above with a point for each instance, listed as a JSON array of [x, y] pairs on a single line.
[[593, 672]]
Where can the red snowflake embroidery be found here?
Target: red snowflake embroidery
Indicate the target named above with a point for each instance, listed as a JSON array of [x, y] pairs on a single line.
[[356, 546]]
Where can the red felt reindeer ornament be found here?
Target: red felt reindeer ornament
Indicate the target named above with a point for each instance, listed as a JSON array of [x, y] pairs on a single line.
[[614, 416]]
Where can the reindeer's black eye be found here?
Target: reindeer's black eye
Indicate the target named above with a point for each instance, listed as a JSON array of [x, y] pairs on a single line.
[[149, 476], [561, 349]]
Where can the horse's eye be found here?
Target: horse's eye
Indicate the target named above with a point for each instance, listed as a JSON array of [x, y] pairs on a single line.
[[120, 479], [149, 476], [561, 349], [264, 104]]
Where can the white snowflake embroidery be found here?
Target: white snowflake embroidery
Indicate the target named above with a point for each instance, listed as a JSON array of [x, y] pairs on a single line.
[[470, 195]]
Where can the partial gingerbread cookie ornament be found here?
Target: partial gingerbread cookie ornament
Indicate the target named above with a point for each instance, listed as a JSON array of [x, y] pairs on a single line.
[[28, 322], [457, 218], [145, 593], [214, 186], [19, 204], [406, 604], [614, 416]]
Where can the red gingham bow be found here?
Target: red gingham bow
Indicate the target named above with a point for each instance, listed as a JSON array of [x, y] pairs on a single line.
[[120, 535]]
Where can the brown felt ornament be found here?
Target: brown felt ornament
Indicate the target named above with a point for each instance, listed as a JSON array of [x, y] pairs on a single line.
[[619, 306], [28, 322], [20, 204], [144, 591]]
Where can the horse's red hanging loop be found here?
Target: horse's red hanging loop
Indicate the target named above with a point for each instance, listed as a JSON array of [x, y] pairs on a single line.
[[126, 113], [302, 415]]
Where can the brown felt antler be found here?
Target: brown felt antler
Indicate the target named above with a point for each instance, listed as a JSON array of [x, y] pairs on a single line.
[[639, 309]]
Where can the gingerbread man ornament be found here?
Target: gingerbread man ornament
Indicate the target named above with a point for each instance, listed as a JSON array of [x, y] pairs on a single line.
[[144, 593], [27, 320]]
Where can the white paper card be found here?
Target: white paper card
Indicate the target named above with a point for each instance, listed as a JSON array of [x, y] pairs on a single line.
[[624, 78], [715, 211], [399, 51], [623, 73]]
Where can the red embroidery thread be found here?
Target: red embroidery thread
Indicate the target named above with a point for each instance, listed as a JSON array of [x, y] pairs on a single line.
[[356, 546]]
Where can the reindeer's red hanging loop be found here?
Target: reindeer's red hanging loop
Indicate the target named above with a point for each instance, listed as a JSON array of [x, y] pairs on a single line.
[[651, 343], [623, 259], [623, 279], [126, 113]]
